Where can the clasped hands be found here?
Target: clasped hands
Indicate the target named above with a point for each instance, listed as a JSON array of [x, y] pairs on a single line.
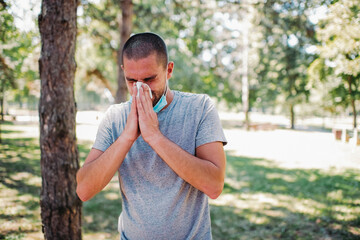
[[142, 118]]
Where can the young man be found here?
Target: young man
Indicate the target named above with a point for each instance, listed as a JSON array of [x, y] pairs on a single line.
[[167, 149]]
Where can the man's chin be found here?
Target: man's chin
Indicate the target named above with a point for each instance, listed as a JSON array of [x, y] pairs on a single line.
[[155, 102]]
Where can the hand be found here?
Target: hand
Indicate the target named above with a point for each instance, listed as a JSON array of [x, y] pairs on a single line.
[[148, 121], [132, 131]]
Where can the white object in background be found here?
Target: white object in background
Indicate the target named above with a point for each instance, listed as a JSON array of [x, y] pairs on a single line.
[[354, 140], [343, 135]]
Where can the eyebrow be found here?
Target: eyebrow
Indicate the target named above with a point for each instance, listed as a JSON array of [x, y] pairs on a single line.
[[145, 79]]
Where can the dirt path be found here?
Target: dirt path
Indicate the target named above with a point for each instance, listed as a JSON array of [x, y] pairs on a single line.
[[287, 148], [294, 149]]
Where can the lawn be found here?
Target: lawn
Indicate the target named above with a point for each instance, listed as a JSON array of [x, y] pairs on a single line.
[[261, 199]]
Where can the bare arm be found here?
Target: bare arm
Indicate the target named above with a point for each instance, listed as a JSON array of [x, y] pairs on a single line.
[[205, 171], [100, 167]]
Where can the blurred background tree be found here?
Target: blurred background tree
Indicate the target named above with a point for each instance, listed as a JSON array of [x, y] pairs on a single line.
[[17, 71], [339, 54], [286, 35], [293, 53]]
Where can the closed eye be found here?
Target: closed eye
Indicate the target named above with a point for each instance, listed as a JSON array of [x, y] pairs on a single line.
[[150, 78], [131, 80]]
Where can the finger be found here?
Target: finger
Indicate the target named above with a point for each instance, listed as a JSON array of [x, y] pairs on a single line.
[[133, 110], [147, 96], [134, 92], [139, 100], [143, 99]]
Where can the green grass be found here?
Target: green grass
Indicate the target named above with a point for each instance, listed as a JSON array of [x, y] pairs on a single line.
[[260, 199], [263, 201]]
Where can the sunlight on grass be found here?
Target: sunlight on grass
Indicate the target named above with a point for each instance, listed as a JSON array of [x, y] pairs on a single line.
[[261, 198], [266, 201], [281, 176], [112, 196], [276, 202]]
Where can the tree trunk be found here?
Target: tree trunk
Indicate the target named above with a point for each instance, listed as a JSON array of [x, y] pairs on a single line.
[[2, 96], [60, 206], [292, 116], [2, 92], [245, 80], [126, 26], [352, 99], [354, 113]]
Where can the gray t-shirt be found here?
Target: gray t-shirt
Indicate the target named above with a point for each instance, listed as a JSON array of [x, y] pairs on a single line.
[[157, 203]]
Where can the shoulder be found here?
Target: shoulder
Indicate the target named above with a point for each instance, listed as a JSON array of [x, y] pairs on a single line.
[[195, 99], [117, 110], [196, 105]]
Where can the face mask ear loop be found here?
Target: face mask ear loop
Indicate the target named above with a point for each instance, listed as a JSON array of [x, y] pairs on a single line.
[[166, 87]]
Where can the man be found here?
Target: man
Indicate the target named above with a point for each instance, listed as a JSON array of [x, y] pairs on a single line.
[[168, 150]]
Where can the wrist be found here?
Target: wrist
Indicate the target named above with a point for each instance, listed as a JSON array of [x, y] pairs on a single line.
[[126, 138], [154, 139]]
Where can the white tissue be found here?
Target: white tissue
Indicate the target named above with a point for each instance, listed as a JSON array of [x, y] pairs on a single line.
[[138, 85]]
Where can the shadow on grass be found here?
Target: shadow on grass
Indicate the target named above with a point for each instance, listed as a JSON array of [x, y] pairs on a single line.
[[269, 202], [20, 186], [266, 201], [20, 182], [101, 213], [20, 155]]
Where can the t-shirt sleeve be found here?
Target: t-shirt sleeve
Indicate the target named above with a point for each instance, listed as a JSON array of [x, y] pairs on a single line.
[[104, 134], [209, 129]]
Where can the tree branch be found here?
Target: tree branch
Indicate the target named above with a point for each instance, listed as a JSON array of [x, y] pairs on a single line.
[[3, 4]]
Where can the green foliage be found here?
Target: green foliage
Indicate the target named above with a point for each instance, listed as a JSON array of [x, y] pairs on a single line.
[[339, 53], [339, 34], [286, 34], [97, 44], [18, 61], [8, 53], [185, 26]]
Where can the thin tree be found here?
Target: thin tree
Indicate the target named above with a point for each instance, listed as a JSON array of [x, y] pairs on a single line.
[[60, 206], [126, 27]]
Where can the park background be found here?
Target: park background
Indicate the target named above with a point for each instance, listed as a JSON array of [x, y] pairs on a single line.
[[285, 76]]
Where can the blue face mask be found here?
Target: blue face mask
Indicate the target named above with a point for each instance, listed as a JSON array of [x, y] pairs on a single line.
[[160, 104]]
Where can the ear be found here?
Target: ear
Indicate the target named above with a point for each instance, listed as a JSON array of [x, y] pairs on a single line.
[[122, 67], [170, 69]]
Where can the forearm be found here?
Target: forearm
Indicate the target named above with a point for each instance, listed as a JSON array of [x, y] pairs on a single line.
[[200, 173], [95, 175]]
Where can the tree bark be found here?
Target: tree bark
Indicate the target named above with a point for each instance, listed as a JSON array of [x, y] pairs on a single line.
[[292, 116], [60, 206], [2, 92], [352, 101], [126, 26], [244, 80], [2, 96]]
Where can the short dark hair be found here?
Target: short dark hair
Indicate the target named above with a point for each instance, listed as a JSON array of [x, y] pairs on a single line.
[[142, 45]]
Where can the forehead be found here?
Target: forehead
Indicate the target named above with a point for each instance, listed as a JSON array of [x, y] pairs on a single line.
[[150, 63]]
